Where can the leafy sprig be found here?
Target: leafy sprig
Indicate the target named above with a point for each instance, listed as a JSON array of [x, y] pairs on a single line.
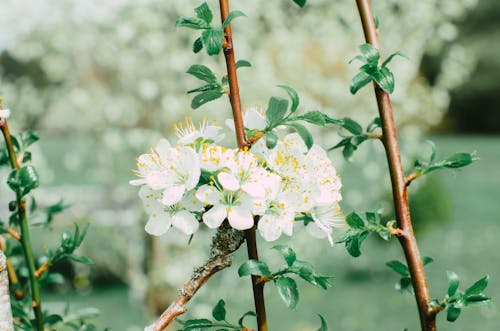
[[401, 269], [286, 286], [357, 136], [70, 241]]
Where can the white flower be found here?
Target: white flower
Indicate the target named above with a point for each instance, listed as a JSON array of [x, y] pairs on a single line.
[[4, 113], [236, 206], [174, 170], [214, 157], [244, 173], [162, 217], [254, 118], [328, 181], [325, 218], [188, 133], [279, 214]]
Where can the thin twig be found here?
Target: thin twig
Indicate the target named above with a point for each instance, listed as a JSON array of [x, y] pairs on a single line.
[[14, 234], [400, 195], [44, 267], [225, 242], [411, 178]]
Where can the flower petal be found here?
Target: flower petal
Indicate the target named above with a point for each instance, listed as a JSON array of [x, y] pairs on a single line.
[[186, 222], [254, 189], [215, 216], [208, 194], [228, 181], [173, 195], [269, 228], [157, 225], [240, 218]]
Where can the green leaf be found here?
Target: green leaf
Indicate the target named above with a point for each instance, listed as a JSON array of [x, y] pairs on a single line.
[[398, 267], [197, 45], [453, 283], [389, 59], [212, 40], [385, 79], [324, 326], [243, 63], [203, 73], [254, 267], [301, 3], [353, 243], [426, 260], [205, 97], [288, 254], [191, 23], [205, 88], [276, 110], [197, 324], [28, 138], [248, 313], [478, 287], [476, 299], [303, 133], [219, 311], [271, 140], [432, 158], [294, 97], [231, 16], [459, 160], [359, 81], [370, 53], [317, 118], [355, 221], [287, 288], [453, 313], [352, 126], [81, 259], [204, 13], [24, 179]]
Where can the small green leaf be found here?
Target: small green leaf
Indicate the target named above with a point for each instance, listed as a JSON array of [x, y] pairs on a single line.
[[232, 15], [453, 313], [355, 221], [389, 59], [204, 13], [288, 254], [304, 134], [191, 23], [219, 311], [254, 267], [398, 267], [81, 259], [453, 283], [203, 73], [212, 40], [300, 3], [243, 63], [205, 97], [478, 287], [352, 126], [276, 110], [287, 288], [248, 313], [197, 324], [324, 326], [197, 45], [476, 299], [370, 53], [294, 97], [359, 81], [459, 160], [353, 243], [385, 79], [271, 140], [426, 260]]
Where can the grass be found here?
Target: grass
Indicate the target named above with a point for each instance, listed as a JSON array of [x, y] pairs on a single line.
[[363, 295]]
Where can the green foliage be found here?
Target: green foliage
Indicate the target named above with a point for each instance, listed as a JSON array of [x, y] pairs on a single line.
[[401, 269], [324, 326], [350, 143], [360, 228], [211, 38], [456, 300], [69, 243], [371, 71], [219, 323], [455, 161], [286, 286], [23, 180], [300, 3], [212, 90]]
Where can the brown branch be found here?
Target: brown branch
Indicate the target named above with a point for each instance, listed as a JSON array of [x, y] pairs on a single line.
[[411, 178], [224, 243], [234, 97], [400, 195]]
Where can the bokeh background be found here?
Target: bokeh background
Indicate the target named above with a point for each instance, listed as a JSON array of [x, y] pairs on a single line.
[[100, 82]]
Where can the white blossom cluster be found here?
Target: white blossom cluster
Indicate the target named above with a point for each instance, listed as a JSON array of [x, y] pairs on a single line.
[[198, 180]]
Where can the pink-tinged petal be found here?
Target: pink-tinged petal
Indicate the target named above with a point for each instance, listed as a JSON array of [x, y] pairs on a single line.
[[254, 189], [240, 218], [269, 228], [208, 194], [228, 181], [215, 216], [137, 182], [186, 222], [157, 180], [157, 225], [189, 162], [162, 146], [173, 195]]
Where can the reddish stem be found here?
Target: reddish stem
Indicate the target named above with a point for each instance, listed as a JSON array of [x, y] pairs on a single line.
[[399, 183]]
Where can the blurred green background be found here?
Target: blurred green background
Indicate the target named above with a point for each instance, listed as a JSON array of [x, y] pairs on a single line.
[[102, 82]]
